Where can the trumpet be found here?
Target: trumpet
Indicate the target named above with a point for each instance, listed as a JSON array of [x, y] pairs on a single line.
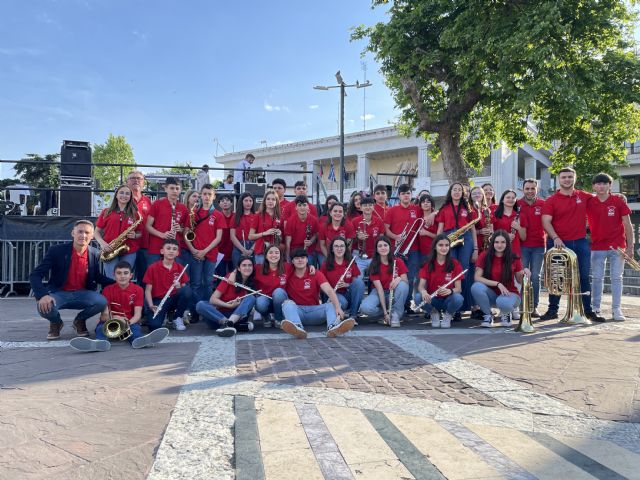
[[402, 246], [446, 285], [362, 244], [344, 274], [191, 234], [633, 263], [241, 285]]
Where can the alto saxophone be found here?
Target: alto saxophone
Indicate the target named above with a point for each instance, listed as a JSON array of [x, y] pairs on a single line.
[[487, 224], [118, 245], [191, 234], [455, 238]]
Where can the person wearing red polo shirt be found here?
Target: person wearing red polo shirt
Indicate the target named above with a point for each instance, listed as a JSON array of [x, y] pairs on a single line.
[[73, 269], [271, 279], [268, 225], [124, 300], [402, 217], [347, 284], [380, 198], [280, 187], [299, 188], [242, 221], [564, 218], [159, 279], [337, 225], [532, 247], [302, 308], [438, 270], [121, 215], [207, 226], [611, 229], [166, 219], [135, 181], [368, 227], [301, 230], [494, 280], [225, 202], [507, 217]]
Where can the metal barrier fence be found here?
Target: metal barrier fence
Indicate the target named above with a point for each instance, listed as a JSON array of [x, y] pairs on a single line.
[[19, 258]]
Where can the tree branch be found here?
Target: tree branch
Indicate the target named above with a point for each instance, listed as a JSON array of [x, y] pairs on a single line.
[[455, 110], [426, 124]]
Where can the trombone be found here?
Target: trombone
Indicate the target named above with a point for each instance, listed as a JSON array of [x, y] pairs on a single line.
[[633, 263], [401, 248]]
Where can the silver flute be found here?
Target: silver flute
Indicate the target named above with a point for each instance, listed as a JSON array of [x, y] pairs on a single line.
[[335, 289], [423, 303], [166, 295], [236, 284]]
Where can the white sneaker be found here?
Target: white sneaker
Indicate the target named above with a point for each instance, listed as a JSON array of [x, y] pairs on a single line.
[[515, 315], [150, 339], [84, 344], [435, 319], [267, 322], [341, 328], [395, 320], [178, 324], [618, 316], [487, 321], [446, 320], [505, 320]]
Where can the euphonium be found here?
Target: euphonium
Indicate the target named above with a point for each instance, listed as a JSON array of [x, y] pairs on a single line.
[[118, 245], [455, 238], [117, 327], [561, 276], [526, 307], [191, 234]]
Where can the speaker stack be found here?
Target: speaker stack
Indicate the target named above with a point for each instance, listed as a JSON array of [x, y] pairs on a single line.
[[76, 197]]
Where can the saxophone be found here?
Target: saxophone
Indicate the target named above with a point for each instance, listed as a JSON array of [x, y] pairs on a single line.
[[118, 245], [487, 224], [455, 239], [191, 234]]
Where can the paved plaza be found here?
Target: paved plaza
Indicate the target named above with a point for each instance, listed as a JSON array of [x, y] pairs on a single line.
[[409, 403]]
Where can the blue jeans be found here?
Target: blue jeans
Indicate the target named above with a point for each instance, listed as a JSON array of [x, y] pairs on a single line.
[[201, 278], [532, 259], [581, 248], [363, 265], [413, 264], [179, 302], [309, 314], [264, 306], [88, 302], [486, 298], [371, 304], [215, 318], [451, 303], [616, 266], [352, 298], [463, 254], [141, 265], [109, 267], [236, 254], [136, 332]]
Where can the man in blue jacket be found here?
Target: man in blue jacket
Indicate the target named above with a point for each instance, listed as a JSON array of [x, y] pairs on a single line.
[[74, 273]]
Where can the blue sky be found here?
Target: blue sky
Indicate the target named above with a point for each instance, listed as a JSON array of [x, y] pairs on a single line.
[[171, 76]]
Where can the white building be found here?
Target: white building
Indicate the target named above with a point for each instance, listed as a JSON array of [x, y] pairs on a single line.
[[383, 156]]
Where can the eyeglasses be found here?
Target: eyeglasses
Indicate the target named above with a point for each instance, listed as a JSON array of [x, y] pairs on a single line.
[[136, 178]]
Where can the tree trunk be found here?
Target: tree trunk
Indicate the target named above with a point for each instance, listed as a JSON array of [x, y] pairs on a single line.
[[449, 143]]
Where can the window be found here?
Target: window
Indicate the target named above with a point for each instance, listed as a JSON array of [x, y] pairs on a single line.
[[630, 186]]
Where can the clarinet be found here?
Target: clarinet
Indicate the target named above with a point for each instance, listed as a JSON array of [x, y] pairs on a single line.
[[391, 292], [513, 230], [168, 294]]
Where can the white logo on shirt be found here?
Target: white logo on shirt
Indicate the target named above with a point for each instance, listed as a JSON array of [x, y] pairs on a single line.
[[376, 230], [612, 211], [307, 284], [212, 220], [413, 214], [538, 211], [283, 279], [578, 200], [132, 299], [464, 213], [448, 277]]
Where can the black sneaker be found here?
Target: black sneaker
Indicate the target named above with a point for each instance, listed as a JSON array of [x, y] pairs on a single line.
[[595, 317], [457, 317], [227, 331], [477, 315], [549, 315]]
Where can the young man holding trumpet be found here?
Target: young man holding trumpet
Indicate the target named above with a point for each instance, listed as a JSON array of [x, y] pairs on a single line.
[[166, 219]]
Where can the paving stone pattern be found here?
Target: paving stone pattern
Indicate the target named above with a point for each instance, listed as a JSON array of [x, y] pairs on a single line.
[[371, 365]]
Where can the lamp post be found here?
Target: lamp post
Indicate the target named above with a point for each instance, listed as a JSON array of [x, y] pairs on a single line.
[[342, 86]]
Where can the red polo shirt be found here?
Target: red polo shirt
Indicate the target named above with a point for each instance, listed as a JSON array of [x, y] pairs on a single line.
[[536, 236], [447, 216], [124, 300], [272, 280], [290, 210], [305, 290], [385, 277], [161, 278], [144, 207], [262, 223], [605, 222], [225, 245], [398, 218], [569, 214], [425, 241], [328, 233], [114, 224], [161, 213], [380, 211], [243, 226], [374, 229], [78, 271], [504, 223], [496, 271], [338, 269], [439, 277], [297, 230], [208, 224]]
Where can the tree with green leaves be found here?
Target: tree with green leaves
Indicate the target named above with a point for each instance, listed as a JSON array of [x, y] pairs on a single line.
[[115, 150], [467, 74], [39, 172]]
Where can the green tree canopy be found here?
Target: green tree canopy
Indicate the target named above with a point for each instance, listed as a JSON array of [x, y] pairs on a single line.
[[115, 150], [37, 171], [469, 73]]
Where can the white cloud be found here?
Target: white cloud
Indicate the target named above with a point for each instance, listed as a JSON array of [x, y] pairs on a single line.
[[275, 108], [368, 116], [313, 107], [140, 35]]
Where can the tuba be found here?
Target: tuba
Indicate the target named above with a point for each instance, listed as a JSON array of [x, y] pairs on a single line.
[[561, 276], [118, 245], [117, 327], [526, 307]]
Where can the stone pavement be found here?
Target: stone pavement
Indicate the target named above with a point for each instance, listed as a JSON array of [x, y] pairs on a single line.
[[465, 403]]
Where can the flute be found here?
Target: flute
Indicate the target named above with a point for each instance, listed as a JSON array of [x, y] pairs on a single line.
[[166, 295], [344, 274], [423, 303], [236, 284]]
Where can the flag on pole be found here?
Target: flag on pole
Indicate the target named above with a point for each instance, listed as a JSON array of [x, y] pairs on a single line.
[[332, 173], [321, 170]]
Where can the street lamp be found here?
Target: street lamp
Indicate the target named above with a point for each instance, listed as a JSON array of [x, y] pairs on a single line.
[[342, 86]]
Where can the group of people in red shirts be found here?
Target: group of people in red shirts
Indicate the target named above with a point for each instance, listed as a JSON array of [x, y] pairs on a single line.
[[279, 258]]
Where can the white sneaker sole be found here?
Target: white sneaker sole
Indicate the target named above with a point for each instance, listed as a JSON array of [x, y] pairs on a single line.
[[290, 328], [84, 344], [158, 335], [341, 328]]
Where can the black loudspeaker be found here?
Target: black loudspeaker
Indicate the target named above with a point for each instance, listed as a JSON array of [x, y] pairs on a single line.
[[75, 201], [75, 159]]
